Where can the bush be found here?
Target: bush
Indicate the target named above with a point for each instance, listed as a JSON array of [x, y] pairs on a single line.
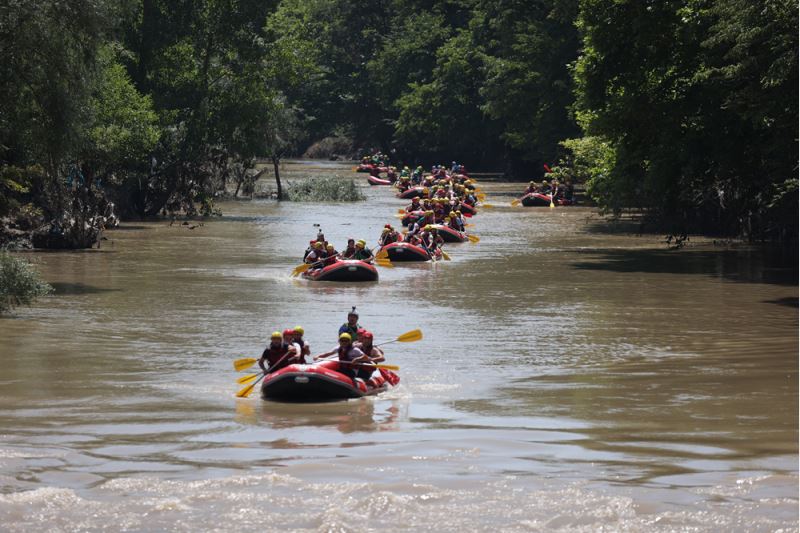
[[20, 283], [330, 189]]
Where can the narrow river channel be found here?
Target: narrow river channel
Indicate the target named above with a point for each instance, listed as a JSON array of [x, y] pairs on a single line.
[[573, 376]]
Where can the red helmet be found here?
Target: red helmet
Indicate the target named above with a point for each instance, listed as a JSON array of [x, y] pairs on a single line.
[[287, 332], [361, 331], [367, 334]]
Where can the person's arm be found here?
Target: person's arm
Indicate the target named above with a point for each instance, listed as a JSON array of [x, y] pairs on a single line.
[[377, 355], [295, 352], [360, 357], [326, 354]]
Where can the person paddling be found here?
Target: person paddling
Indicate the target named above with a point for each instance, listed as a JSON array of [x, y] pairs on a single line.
[[348, 354], [277, 354], [350, 250], [364, 343], [305, 349], [316, 256], [362, 252]]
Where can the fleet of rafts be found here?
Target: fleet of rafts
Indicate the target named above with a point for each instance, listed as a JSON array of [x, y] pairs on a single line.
[[323, 380]]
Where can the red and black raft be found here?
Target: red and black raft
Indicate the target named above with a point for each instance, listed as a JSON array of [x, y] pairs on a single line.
[[375, 180], [404, 251], [449, 234], [467, 210], [411, 216], [537, 199], [411, 192], [322, 382], [344, 270]]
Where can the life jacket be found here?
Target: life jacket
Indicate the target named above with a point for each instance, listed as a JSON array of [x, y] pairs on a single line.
[[347, 328], [329, 259], [273, 355]]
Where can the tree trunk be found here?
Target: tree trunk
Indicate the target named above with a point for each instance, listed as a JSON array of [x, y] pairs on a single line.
[[276, 163]]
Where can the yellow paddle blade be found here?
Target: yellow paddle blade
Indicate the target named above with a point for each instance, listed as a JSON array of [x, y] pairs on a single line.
[[245, 392], [473, 238], [469, 225], [487, 206], [551, 203], [242, 364], [401, 212], [300, 269], [445, 255], [515, 202], [400, 215], [410, 336], [382, 254], [247, 379], [387, 367], [384, 263]]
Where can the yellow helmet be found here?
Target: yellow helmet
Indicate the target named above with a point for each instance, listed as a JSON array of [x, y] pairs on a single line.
[[428, 227], [361, 243], [317, 244], [299, 330], [276, 335], [345, 336]]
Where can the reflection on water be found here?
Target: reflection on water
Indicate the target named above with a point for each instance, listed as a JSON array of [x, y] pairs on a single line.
[[346, 417]]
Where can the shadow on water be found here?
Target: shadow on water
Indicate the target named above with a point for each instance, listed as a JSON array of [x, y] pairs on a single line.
[[746, 266], [78, 288]]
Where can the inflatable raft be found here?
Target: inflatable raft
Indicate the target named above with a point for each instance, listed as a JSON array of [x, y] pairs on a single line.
[[374, 180], [537, 199], [410, 193], [467, 210], [322, 382], [448, 234], [344, 270], [404, 251], [412, 216]]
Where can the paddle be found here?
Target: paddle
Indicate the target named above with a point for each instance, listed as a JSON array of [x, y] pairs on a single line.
[[384, 263], [243, 364], [305, 266], [409, 336], [245, 392], [445, 255], [515, 202], [473, 238], [551, 201], [382, 254], [487, 206]]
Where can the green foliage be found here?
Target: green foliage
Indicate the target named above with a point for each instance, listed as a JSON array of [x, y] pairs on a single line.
[[14, 182], [698, 99], [330, 189], [124, 129], [20, 283]]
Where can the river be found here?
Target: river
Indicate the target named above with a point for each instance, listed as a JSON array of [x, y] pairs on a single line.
[[573, 376]]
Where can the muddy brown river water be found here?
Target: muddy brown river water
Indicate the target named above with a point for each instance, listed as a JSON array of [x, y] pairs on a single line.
[[572, 377]]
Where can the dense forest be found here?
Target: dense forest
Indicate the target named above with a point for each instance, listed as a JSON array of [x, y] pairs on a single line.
[[685, 111]]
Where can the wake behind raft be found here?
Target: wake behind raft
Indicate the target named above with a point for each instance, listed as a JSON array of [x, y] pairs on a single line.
[[322, 382]]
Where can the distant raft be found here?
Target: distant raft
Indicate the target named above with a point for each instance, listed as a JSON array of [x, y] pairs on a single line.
[[404, 251], [537, 199]]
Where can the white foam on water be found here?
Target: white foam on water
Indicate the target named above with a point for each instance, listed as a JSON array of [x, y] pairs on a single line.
[[276, 501]]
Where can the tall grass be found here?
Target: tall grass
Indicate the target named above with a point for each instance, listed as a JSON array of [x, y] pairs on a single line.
[[323, 189], [20, 283]]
